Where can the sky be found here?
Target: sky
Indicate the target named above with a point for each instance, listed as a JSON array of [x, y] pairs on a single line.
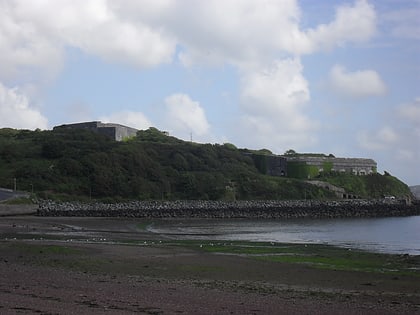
[[335, 76]]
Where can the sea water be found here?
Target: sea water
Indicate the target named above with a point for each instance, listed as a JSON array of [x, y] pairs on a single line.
[[399, 235]]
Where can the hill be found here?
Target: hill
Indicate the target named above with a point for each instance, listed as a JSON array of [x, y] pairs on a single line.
[[77, 164]]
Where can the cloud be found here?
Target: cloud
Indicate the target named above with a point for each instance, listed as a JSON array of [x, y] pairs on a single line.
[[245, 31], [404, 23], [410, 112], [33, 40], [24, 46], [382, 139], [237, 31], [15, 111], [397, 140], [361, 83], [355, 23], [275, 89], [147, 34], [128, 118], [248, 34], [183, 116], [273, 102]]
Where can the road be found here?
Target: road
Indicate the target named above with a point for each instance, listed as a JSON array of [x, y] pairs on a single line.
[[6, 194]]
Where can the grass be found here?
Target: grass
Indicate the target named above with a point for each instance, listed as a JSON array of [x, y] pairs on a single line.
[[316, 256], [18, 201], [311, 255], [143, 225]]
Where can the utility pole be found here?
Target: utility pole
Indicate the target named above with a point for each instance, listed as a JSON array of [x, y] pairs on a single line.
[[191, 137], [14, 184]]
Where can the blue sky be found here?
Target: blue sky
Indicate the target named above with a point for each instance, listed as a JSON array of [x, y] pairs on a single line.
[[338, 77]]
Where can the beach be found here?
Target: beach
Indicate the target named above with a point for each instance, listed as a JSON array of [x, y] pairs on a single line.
[[116, 266]]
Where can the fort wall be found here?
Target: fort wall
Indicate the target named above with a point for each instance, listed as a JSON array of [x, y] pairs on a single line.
[[114, 131], [356, 166]]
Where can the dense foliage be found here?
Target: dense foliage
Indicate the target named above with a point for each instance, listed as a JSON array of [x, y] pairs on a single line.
[[373, 186], [66, 163], [69, 163]]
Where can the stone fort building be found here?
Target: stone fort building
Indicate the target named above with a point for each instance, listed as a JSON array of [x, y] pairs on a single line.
[[114, 131], [356, 166]]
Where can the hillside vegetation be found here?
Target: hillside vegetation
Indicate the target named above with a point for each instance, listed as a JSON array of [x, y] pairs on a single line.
[[371, 186], [80, 164]]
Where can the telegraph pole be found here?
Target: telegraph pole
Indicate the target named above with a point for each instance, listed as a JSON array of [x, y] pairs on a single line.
[[14, 184]]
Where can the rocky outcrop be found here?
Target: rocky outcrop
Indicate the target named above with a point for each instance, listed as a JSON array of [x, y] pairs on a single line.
[[268, 209]]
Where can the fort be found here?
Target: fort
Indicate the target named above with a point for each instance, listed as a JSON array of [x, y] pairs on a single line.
[[307, 166], [273, 165], [315, 164], [116, 132]]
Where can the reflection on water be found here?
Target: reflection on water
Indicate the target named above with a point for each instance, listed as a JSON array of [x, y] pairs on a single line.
[[390, 235]]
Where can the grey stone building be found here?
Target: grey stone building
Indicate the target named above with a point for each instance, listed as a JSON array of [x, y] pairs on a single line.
[[356, 166], [114, 131]]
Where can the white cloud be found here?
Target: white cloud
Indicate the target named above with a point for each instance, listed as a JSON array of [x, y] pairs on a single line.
[[183, 116], [237, 31], [382, 139], [146, 33], [276, 89], [273, 134], [244, 31], [31, 39], [24, 47], [128, 118], [247, 34], [411, 112], [273, 102], [355, 23], [361, 83], [15, 111], [397, 140], [404, 23]]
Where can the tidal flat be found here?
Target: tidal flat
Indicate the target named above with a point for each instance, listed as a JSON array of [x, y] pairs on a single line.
[[92, 266]]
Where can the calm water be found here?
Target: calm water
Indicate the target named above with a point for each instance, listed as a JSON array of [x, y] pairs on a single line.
[[389, 235]]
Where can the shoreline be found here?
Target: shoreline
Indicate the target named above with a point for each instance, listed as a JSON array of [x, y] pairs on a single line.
[[125, 269], [270, 209]]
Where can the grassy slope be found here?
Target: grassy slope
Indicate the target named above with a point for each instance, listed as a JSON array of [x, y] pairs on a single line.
[[373, 186]]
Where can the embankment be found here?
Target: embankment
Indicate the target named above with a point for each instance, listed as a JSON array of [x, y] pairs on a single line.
[[13, 210], [268, 209]]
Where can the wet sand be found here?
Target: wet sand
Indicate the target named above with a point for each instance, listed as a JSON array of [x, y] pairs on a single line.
[[115, 266]]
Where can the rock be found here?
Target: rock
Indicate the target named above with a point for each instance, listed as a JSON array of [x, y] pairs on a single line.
[[268, 209]]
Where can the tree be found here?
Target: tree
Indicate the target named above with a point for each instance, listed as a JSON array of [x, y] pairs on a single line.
[[290, 152]]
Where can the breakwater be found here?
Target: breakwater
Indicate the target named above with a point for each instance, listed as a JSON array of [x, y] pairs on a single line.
[[267, 209]]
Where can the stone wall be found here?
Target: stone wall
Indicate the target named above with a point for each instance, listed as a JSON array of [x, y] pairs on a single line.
[[276, 165], [357, 166], [273, 165], [235, 209], [114, 131]]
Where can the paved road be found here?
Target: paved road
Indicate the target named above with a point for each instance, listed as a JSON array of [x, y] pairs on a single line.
[[13, 210], [6, 194]]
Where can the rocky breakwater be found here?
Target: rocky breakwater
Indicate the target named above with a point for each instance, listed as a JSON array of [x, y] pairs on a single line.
[[268, 209]]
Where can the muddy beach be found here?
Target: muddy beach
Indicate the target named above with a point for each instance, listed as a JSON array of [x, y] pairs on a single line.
[[98, 265]]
